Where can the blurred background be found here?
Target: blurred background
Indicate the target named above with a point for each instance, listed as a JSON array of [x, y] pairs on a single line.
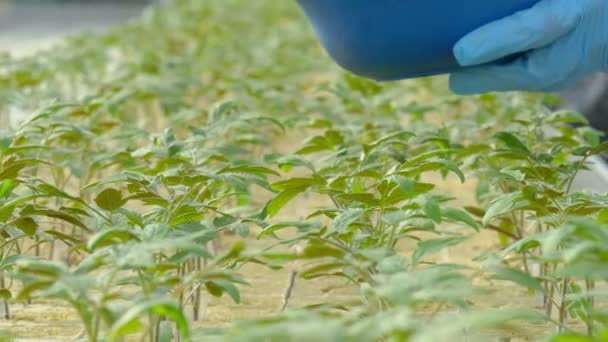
[[28, 25]]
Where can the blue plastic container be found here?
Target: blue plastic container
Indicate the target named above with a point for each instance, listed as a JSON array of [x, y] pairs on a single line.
[[396, 39]]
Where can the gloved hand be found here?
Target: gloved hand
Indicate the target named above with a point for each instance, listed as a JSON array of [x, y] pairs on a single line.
[[556, 43]]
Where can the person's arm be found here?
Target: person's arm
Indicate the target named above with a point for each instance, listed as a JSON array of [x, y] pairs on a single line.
[[552, 45]]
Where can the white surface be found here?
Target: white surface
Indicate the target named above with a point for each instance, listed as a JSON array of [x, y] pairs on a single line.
[[28, 26], [21, 48], [594, 180]]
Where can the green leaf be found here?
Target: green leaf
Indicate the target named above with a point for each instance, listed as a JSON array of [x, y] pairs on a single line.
[[242, 229], [51, 190], [134, 217], [40, 267], [6, 294], [214, 289], [455, 169], [573, 338], [459, 215], [234, 252], [8, 262], [185, 214], [432, 209], [249, 170], [65, 238], [281, 200], [426, 156], [110, 200], [6, 187], [301, 226], [392, 265], [512, 142], [518, 277], [27, 225], [407, 185], [568, 117], [110, 237], [314, 251], [478, 212], [322, 269], [297, 183], [226, 287], [73, 219], [591, 136], [400, 137], [428, 247], [10, 169], [345, 219], [599, 149], [162, 307], [223, 221], [5, 142], [286, 163], [602, 216], [418, 188], [362, 197], [502, 205], [27, 291]]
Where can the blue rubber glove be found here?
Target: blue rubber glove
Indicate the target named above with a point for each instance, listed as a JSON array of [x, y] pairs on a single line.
[[557, 42]]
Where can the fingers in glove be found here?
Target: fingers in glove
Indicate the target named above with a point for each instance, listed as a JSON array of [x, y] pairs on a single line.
[[529, 29]]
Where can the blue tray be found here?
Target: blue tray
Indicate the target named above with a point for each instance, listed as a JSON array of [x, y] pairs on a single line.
[[396, 39]]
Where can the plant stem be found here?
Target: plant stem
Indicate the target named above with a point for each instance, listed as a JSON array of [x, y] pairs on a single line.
[[52, 250], [37, 246], [590, 286], [549, 302], [289, 290], [580, 164], [96, 325], [181, 272], [7, 314], [157, 327], [197, 296], [503, 232], [563, 310]]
